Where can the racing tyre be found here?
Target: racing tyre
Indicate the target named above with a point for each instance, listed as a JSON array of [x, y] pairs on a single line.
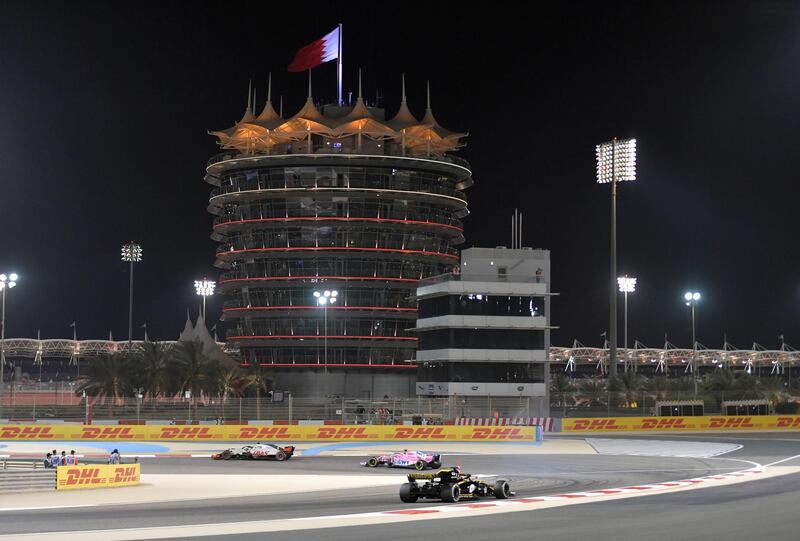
[[226, 454], [407, 493], [419, 465], [280, 456], [501, 490], [435, 465], [373, 462], [450, 493]]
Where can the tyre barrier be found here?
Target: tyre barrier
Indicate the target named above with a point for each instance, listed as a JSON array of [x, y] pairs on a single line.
[[30, 480]]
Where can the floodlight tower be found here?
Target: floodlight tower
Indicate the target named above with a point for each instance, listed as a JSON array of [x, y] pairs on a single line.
[[6, 282], [616, 162], [131, 253], [627, 284], [691, 298], [204, 288], [324, 298]]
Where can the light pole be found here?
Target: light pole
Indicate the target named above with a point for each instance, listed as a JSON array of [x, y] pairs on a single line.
[[324, 298], [204, 288], [616, 162], [627, 284], [6, 283], [131, 253], [691, 298]]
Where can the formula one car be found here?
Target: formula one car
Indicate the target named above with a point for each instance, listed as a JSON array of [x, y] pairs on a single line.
[[450, 485], [405, 459], [257, 451]]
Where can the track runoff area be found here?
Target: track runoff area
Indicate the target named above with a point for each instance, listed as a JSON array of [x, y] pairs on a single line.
[[659, 486]]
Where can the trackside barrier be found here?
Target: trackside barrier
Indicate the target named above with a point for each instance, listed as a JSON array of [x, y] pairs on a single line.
[[13, 481], [711, 423], [97, 476], [364, 433]]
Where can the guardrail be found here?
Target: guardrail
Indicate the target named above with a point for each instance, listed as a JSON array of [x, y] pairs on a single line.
[[19, 480]]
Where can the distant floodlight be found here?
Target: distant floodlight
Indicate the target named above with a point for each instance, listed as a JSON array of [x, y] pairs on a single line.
[[326, 297], [616, 161], [204, 287], [131, 253], [688, 296], [627, 284], [696, 296], [8, 280]]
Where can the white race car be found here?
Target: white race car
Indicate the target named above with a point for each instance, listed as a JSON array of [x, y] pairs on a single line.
[[257, 451]]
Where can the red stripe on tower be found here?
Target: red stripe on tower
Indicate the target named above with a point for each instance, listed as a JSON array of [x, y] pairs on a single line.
[[312, 55]]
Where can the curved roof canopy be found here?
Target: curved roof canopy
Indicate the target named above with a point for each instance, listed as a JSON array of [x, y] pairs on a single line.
[[256, 134]]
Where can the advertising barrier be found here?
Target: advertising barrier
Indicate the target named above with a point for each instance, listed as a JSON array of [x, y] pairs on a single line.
[[97, 476], [656, 424], [281, 433]]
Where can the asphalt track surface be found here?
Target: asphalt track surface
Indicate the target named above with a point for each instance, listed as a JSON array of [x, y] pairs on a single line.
[[761, 509]]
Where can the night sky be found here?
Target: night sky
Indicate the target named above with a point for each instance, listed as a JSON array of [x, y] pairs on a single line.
[[104, 110]]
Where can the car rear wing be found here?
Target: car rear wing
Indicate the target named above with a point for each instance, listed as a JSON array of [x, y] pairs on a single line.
[[424, 476]]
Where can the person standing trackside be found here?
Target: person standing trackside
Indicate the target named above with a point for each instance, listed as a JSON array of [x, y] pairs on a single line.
[[114, 457], [71, 459]]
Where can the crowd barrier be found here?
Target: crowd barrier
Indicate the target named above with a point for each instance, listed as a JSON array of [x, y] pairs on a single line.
[[363, 433], [658, 424], [97, 476]]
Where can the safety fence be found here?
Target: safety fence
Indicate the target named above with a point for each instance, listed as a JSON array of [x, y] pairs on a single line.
[[418, 410], [26, 479]]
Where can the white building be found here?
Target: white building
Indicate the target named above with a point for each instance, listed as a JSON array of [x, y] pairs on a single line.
[[485, 331]]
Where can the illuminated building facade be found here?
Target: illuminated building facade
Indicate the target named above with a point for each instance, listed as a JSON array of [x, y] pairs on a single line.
[[334, 200]]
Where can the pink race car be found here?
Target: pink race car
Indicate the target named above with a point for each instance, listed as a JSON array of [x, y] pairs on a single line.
[[405, 459]]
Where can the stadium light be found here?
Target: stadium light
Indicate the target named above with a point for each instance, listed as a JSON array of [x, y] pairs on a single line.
[[131, 253], [691, 298], [7, 281], [204, 288], [616, 162], [627, 284], [324, 298]]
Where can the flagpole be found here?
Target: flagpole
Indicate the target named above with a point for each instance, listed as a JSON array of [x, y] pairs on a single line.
[[339, 67]]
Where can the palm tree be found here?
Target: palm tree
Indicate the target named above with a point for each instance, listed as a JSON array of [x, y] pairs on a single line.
[[629, 385], [658, 386], [153, 368], [194, 370], [106, 377], [258, 378], [231, 382], [594, 391], [562, 387]]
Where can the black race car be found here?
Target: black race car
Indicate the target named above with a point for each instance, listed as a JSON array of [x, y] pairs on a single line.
[[450, 485]]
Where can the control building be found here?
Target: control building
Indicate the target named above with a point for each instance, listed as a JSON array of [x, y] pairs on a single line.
[[326, 221], [485, 331]]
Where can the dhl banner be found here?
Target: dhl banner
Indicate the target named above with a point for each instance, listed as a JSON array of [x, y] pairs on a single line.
[[288, 433], [97, 476], [722, 423]]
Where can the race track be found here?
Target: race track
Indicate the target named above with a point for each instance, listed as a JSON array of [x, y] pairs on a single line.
[[763, 508]]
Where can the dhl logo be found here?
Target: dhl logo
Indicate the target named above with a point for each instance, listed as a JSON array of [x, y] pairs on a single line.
[[341, 433], [185, 433], [26, 433], [263, 433], [731, 422], [788, 422], [433, 433], [497, 434], [596, 424], [109, 433], [658, 424], [126, 474], [83, 476]]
